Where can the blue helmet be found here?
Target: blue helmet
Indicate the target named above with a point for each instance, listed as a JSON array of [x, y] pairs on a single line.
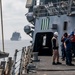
[[72, 33]]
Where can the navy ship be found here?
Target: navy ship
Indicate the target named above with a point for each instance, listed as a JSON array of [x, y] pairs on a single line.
[[16, 36], [48, 16]]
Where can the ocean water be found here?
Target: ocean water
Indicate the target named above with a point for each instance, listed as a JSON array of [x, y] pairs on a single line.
[[11, 46]]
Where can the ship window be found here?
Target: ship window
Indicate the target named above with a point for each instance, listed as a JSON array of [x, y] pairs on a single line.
[[65, 25]]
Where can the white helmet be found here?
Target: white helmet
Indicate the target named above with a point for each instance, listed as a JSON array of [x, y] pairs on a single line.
[[56, 33]]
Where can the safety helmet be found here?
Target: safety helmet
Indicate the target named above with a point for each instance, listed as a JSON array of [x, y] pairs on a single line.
[[72, 33], [56, 33]]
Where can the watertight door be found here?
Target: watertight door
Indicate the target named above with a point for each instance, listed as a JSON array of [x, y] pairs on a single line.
[[43, 44]]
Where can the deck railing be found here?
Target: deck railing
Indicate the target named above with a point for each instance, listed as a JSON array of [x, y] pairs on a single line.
[[23, 64], [58, 8], [26, 55]]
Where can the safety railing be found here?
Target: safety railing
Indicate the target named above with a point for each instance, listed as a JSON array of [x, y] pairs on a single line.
[[58, 8], [26, 55], [21, 66]]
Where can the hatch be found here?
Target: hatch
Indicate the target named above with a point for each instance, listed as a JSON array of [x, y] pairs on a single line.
[[43, 44]]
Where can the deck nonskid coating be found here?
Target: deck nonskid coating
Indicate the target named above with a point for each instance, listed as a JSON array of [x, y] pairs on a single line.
[[45, 67]]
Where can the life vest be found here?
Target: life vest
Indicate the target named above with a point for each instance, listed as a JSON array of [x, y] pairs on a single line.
[[56, 41]]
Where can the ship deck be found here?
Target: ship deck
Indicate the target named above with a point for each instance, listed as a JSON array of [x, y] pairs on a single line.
[[45, 67]]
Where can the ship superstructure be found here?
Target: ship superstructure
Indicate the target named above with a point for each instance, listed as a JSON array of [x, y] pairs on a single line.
[[47, 17]]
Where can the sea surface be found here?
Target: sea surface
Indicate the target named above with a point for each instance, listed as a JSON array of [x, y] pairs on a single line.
[[11, 46]]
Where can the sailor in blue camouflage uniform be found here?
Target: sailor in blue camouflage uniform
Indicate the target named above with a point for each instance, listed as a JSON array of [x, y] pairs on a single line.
[[65, 35], [68, 49]]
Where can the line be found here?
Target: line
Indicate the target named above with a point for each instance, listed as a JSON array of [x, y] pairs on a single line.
[[55, 69]]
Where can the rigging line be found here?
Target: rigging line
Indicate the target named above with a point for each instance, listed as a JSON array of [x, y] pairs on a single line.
[[2, 25], [17, 61], [16, 71], [55, 69], [17, 66]]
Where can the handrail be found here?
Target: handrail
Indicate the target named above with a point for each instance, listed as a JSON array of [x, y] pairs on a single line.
[[22, 68], [61, 7]]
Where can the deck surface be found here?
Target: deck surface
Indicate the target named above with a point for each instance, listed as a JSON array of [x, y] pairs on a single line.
[[45, 67]]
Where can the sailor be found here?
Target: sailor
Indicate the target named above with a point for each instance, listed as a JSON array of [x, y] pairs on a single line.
[[73, 44], [65, 35], [55, 49], [68, 49]]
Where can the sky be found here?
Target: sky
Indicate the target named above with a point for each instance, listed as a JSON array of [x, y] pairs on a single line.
[[14, 18]]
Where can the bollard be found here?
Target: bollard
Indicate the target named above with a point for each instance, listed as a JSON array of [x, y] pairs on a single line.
[[35, 56]]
